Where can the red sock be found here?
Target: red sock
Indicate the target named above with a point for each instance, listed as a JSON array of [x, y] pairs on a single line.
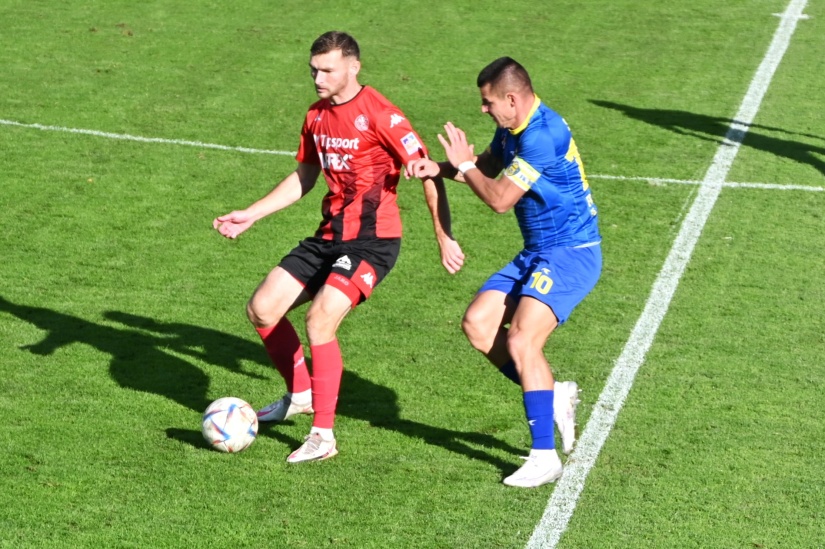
[[285, 351], [327, 368]]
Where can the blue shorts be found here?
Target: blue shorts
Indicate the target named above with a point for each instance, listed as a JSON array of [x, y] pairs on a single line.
[[558, 277]]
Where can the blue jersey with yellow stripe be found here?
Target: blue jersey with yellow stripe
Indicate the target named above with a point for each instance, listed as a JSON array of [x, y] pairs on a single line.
[[540, 156]]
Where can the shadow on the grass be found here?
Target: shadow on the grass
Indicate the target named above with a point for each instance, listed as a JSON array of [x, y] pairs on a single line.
[[142, 354], [144, 359], [188, 436], [378, 405], [712, 128]]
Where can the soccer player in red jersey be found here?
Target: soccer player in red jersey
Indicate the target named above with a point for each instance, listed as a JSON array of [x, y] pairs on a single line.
[[360, 141]]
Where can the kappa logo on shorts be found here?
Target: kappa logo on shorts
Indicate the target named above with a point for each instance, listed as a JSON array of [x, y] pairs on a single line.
[[368, 279], [343, 262]]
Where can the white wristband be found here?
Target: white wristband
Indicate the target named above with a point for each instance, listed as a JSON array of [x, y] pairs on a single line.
[[465, 166]]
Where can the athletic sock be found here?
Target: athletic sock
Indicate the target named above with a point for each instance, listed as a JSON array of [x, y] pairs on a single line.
[[327, 368], [326, 434], [285, 351], [538, 406], [303, 398]]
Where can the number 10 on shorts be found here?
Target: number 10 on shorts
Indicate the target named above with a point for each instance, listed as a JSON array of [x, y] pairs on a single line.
[[541, 282]]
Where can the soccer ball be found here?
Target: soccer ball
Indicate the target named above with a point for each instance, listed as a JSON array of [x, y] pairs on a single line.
[[230, 424]]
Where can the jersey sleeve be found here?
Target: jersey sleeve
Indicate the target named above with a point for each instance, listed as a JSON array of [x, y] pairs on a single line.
[[397, 134], [307, 153], [537, 152]]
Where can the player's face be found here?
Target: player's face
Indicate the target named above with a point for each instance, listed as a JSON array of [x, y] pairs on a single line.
[[500, 107], [334, 75]]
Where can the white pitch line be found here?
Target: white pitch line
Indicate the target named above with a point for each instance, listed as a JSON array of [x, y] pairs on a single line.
[[563, 501], [127, 137], [248, 150], [654, 180], [774, 186], [732, 185]]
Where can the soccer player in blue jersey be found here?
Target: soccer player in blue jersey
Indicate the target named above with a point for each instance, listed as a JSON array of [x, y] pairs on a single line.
[[533, 166]]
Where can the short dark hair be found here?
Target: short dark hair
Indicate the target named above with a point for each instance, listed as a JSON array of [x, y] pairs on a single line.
[[336, 40], [505, 73]]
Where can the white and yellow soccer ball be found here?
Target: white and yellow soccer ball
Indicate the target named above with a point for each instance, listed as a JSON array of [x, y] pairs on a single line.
[[230, 425]]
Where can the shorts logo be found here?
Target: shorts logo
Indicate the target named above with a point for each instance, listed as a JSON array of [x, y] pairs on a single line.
[[411, 144], [362, 123], [395, 119], [365, 278], [541, 281], [343, 262], [368, 279]]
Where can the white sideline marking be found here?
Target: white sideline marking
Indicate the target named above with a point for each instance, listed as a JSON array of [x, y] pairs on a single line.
[[663, 181], [563, 501], [141, 139], [773, 186], [127, 137]]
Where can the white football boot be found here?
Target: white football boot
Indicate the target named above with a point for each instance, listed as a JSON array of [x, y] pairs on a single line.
[[542, 466], [314, 448], [283, 409], [565, 400]]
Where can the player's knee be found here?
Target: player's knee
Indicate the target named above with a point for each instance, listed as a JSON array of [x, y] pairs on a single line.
[[321, 325], [252, 314], [258, 315], [475, 329], [519, 343]]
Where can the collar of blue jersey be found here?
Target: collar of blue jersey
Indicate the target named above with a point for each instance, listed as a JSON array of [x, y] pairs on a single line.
[[533, 110]]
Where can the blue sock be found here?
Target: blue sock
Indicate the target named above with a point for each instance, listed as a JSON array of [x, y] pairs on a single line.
[[509, 371], [538, 406]]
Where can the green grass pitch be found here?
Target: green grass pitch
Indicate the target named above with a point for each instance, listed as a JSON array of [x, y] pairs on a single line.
[[122, 311]]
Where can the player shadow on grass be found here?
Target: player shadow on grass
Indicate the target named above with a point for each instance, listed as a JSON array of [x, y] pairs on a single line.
[[378, 406], [141, 357], [712, 128]]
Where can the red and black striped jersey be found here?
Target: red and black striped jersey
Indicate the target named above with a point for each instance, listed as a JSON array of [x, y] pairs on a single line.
[[361, 146]]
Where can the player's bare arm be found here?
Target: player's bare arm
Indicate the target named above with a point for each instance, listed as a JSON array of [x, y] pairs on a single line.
[[452, 258], [287, 192], [489, 164], [500, 194], [424, 167]]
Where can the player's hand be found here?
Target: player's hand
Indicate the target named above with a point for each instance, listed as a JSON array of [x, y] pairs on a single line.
[[456, 146], [422, 168], [451, 255], [233, 224]]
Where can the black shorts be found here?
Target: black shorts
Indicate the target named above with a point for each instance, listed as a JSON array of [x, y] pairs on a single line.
[[353, 266]]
